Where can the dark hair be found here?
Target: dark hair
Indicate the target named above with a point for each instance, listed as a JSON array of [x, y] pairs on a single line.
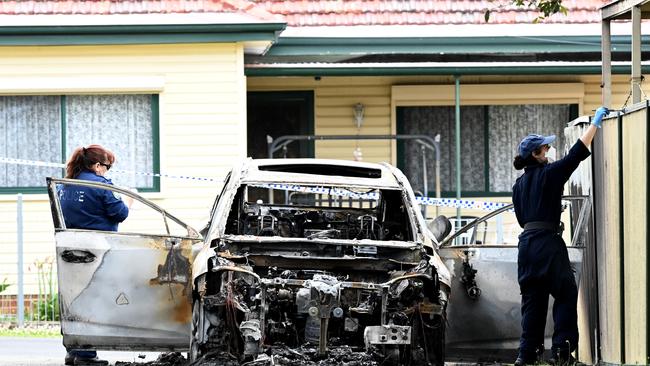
[[84, 157], [519, 163]]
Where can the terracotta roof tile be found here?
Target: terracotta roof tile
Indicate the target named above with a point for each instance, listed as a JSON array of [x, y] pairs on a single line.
[[114, 7], [421, 12], [299, 13]]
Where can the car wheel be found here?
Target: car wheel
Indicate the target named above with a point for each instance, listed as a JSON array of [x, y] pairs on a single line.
[[198, 319], [437, 357], [431, 334]]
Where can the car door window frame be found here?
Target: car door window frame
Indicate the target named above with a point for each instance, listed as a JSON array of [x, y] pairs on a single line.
[[586, 208], [57, 213]]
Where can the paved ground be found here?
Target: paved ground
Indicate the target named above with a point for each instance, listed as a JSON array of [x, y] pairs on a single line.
[[50, 352]]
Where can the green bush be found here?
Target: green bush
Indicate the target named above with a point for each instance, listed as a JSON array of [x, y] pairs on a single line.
[[46, 307], [4, 285]]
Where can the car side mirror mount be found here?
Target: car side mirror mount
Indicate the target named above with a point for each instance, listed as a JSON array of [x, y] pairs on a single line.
[[440, 227]]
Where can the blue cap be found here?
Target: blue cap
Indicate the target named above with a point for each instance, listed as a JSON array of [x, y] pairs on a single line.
[[532, 142]]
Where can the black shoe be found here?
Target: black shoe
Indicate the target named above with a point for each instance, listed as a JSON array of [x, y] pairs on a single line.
[[562, 360], [523, 362], [69, 359], [79, 361], [72, 360]]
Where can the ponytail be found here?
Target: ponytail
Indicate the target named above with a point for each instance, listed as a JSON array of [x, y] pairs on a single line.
[[84, 157], [519, 163]]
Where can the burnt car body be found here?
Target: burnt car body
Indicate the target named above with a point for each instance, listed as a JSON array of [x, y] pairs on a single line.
[[326, 253], [302, 255], [301, 260]]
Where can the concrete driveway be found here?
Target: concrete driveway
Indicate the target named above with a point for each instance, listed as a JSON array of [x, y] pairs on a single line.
[[50, 352]]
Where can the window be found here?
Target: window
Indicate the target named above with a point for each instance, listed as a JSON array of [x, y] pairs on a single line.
[[489, 136], [49, 128]]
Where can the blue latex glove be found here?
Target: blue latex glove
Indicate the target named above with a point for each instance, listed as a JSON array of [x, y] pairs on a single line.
[[598, 117]]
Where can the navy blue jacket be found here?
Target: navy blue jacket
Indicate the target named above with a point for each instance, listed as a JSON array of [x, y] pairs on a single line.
[[91, 208], [537, 194]]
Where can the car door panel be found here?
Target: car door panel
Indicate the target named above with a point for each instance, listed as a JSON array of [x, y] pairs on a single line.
[[487, 326], [124, 290]]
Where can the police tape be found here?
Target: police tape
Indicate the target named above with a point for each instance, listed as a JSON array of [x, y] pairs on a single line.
[[132, 172], [332, 191], [429, 201]]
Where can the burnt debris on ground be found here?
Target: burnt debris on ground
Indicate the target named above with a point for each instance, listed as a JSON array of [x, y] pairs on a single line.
[[278, 355]]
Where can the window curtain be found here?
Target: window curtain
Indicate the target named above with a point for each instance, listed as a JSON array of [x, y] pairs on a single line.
[[433, 120], [30, 128], [511, 123], [122, 124]]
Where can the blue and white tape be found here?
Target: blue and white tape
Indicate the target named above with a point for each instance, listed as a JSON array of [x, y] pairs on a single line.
[[332, 191], [59, 165], [429, 201]]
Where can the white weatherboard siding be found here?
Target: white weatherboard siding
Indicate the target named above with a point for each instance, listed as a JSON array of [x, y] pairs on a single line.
[[202, 91]]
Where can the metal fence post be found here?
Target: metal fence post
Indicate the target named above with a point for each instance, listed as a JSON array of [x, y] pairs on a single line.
[[21, 295]]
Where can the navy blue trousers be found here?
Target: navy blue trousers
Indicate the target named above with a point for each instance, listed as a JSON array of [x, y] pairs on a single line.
[[82, 353], [544, 269]]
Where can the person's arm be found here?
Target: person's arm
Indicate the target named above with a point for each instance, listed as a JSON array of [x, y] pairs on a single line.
[[588, 135], [114, 207], [564, 167]]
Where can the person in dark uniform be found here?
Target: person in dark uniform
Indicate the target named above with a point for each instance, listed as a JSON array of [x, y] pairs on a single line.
[[90, 208], [543, 262]]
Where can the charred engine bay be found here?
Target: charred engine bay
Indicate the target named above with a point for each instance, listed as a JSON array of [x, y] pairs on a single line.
[[316, 280], [260, 313]]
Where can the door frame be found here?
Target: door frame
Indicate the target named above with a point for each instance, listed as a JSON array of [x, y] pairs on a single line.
[[304, 96]]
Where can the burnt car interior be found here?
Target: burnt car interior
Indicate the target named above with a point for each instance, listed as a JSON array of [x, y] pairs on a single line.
[[312, 215]]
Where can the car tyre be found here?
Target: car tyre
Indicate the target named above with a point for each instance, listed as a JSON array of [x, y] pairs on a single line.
[[438, 334], [432, 347], [198, 317]]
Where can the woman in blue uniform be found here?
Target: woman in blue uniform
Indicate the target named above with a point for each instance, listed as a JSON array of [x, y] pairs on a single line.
[[543, 263], [90, 208]]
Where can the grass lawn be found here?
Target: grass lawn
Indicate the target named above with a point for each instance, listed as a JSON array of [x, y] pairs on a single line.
[[31, 332]]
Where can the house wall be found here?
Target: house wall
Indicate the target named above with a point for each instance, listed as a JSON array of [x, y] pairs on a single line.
[[334, 98], [202, 101]]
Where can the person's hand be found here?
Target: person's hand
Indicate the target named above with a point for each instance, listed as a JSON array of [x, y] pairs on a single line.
[[598, 117]]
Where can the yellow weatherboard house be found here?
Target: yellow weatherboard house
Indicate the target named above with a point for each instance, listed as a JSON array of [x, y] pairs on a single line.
[[186, 88]]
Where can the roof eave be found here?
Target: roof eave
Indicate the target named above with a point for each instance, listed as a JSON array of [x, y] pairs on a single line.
[[415, 69], [139, 34]]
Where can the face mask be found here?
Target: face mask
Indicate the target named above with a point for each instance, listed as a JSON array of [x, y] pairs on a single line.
[[551, 154]]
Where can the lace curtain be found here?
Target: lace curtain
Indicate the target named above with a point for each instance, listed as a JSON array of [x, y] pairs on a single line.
[[433, 120], [122, 124], [30, 129], [504, 126], [509, 124]]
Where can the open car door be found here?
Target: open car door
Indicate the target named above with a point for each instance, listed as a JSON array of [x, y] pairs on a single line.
[[484, 313], [127, 290]]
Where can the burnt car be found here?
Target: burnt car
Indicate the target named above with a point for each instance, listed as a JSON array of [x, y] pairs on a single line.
[[300, 259]]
